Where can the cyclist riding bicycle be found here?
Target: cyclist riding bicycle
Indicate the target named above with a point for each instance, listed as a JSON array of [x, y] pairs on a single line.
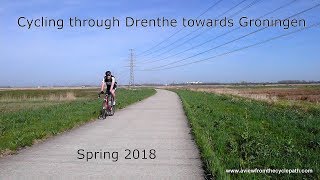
[[111, 83]]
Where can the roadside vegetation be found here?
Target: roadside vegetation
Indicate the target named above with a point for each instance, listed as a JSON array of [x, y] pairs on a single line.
[[234, 132], [27, 116]]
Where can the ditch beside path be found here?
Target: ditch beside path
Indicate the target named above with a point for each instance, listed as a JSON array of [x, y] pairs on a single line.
[[154, 133]]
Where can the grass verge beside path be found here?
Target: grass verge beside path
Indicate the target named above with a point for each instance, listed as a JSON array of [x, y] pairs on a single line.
[[23, 127], [239, 133]]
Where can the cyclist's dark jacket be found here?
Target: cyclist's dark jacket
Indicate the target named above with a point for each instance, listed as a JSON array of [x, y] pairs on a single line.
[[109, 81]]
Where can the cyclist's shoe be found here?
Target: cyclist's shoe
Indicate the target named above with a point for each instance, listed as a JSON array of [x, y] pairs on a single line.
[[114, 103]]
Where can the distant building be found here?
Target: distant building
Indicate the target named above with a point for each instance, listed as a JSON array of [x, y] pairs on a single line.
[[194, 82]]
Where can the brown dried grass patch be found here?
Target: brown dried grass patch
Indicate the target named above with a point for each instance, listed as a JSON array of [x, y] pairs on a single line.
[[268, 94], [68, 96]]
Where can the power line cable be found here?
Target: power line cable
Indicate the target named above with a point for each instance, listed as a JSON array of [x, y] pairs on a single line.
[[208, 9], [197, 28], [198, 35], [246, 47], [261, 29], [217, 37]]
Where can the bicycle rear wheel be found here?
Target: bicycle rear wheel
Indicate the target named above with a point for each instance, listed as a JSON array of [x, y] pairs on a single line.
[[112, 110]]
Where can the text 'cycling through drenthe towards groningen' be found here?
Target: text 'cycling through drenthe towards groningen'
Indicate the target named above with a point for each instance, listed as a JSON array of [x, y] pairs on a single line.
[[109, 23]]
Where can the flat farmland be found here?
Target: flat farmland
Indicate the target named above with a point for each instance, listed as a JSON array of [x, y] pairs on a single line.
[[276, 93]]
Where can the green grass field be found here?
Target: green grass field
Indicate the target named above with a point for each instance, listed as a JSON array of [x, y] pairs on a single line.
[[239, 133], [30, 115]]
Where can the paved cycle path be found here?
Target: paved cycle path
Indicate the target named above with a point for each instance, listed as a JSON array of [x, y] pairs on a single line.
[[154, 133]]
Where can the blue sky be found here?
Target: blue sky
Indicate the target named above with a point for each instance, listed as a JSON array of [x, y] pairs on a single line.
[[76, 56]]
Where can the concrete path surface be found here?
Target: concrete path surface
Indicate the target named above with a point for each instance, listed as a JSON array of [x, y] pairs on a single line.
[[154, 133]]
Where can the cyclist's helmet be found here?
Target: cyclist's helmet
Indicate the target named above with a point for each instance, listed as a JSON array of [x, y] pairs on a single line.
[[108, 73]]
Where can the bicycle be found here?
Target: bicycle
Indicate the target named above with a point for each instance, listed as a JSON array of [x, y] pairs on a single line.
[[108, 109]]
